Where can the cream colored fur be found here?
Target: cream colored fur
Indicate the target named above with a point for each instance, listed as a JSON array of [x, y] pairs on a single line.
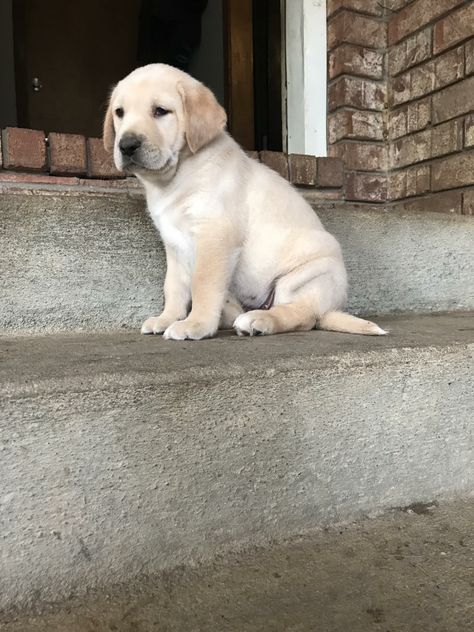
[[232, 228]]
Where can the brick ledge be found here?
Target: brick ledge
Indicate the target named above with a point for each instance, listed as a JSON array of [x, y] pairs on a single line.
[[71, 159]]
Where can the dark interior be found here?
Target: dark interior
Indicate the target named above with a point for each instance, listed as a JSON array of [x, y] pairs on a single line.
[[67, 57]]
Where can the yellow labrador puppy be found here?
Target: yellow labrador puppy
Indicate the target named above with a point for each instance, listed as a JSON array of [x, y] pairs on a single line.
[[243, 248]]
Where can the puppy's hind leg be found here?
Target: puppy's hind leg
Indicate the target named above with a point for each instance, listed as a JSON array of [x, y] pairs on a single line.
[[308, 297], [296, 316], [302, 297], [293, 309]]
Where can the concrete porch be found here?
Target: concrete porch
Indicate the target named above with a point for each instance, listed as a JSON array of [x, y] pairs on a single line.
[[145, 483]]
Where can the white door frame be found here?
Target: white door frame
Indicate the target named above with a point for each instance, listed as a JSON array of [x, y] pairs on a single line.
[[305, 51]]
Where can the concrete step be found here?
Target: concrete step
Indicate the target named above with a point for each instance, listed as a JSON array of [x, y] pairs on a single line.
[[89, 261], [123, 456], [405, 571]]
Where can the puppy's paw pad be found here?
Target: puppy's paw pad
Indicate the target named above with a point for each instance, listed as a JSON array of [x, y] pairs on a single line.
[[188, 330], [255, 323], [154, 325]]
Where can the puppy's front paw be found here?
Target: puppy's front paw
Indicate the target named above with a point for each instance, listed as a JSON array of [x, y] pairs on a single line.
[[255, 323], [157, 324], [188, 329]]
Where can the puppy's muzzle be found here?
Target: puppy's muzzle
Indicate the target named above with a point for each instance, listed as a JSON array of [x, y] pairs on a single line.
[[129, 144]]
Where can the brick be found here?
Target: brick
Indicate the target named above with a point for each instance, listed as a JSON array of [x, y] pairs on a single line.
[[353, 28], [128, 183], [446, 138], [330, 173], [366, 187], [469, 54], [35, 178], [302, 169], [468, 202], [371, 7], [360, 156], [324, 194], [355, 60], [416, 15], [24, 149], [399, 90], [276, 161], [354, 124], [454, 101], [409, 182], [418, 115], [428, 77], [446, 202], [409, 118], [448, 67], [67, 154], [413, 50], [437, 141], [396, 5], [454, 28], [367, 125], [100, 163], [397, 123], [454, 171], [357, 93], [469, 131]]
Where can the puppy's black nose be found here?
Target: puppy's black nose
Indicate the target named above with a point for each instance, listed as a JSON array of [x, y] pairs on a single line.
[[129, 144]]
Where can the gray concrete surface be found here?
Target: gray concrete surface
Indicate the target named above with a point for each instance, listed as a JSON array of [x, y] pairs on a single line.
[[74, 261], [406, 571], [123, 456]]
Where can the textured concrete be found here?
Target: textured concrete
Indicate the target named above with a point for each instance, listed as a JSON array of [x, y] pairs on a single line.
[[86, 261], [400, 262], [123, 455], [408, 570], [76, 262]]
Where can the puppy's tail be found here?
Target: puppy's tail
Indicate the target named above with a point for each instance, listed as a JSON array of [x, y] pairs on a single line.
[[345, 323]]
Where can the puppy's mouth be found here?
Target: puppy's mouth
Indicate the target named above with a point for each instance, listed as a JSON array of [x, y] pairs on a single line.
[[134, 164]]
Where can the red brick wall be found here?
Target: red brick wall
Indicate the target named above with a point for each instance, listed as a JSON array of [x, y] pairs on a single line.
[[357, 95], [431, 104], [59, 155], [401, 100]]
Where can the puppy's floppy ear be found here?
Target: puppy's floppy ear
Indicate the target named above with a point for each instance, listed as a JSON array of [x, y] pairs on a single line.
[[108, 134], [204, 117]]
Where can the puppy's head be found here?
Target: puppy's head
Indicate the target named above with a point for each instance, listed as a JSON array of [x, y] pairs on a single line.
[[153, 114]]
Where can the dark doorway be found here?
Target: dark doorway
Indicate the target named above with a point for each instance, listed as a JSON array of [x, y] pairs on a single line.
[[254, 72], [267, 74], [69, 55]]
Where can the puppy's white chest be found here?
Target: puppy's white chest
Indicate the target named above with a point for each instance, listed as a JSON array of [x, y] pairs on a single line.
[[175, 235], [174, 230]]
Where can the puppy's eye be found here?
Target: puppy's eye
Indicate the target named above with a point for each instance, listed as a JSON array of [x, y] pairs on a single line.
[[159, 111], [119, 112]]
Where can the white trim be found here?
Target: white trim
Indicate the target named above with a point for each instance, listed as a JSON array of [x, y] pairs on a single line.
[[306, 76]]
